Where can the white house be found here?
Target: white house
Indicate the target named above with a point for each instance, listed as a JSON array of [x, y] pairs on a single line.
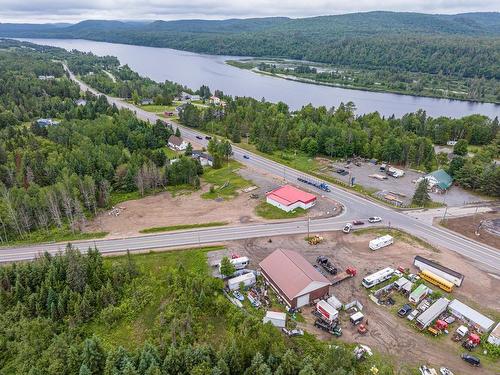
[[494, 337], [177, 143], [215, 100], [204, 159]]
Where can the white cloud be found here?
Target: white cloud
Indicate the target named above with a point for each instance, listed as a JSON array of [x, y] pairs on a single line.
[[77, 10]]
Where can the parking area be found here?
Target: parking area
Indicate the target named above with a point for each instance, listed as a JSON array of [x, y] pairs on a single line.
[[402, 189]]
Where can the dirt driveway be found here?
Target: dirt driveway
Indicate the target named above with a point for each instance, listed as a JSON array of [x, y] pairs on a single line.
[[487, 223], [387, 333], [163, 209]]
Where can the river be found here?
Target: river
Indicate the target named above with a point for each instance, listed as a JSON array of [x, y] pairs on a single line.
[[194, 70]]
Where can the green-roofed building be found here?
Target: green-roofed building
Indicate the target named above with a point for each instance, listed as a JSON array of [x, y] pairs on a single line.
[[439, 180]]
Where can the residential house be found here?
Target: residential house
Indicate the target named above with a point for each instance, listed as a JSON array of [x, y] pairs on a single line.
[[46, 78], [177, 143], [204, 159], [46, 122], [81, 102], [215, 100], [147, 101]]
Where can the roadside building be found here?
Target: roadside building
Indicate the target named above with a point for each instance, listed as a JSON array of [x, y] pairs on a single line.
[[293, 278], [215, 100], [81, 102], [288, 198], [203, 158], [471, 316], [439, 181], [177, 143], [494, 337]]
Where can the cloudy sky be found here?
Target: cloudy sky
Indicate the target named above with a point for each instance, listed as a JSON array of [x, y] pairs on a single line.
[[77, 10]]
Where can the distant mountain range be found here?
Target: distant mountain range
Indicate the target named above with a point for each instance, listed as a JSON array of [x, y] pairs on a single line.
[[465, 44]]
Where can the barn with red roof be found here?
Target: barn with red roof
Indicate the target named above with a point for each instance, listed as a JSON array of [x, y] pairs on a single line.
[[288, 198], [293, 278]]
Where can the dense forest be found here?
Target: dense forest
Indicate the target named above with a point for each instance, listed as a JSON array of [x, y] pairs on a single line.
[[339, 133], [465, 47], [56, 175], [51, 308]]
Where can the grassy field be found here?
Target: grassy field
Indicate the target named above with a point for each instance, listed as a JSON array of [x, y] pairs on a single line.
[[63, 234], [268, 211], [141, 306], [183, 226], [397, 234], [225, 181]]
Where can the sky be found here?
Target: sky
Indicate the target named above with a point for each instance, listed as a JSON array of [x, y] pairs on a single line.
[[44, 11]]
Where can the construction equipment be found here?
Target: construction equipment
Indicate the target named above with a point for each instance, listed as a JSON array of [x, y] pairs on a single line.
[[362, 329], [472, 341], [332, 328], [315, 240], [438, 327], [326, 264]]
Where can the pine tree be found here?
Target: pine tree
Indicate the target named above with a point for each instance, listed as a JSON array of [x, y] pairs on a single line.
[[189, 150], [421, 196], [226, 267]]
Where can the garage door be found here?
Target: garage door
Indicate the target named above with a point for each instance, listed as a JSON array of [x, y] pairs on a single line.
[[303, 300]]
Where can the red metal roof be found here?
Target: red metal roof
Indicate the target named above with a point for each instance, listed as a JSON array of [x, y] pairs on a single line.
[[292, 273], [288, 195]]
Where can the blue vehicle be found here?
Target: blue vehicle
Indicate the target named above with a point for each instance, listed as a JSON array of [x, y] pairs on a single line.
[[238, 295]]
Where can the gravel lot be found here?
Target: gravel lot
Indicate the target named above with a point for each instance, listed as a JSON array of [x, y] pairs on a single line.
[[387, 333], [404, 186]]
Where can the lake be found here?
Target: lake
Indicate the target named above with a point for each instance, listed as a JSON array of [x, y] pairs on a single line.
[[194, 70]]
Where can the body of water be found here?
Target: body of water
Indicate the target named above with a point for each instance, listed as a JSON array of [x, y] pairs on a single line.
[[194, 70]]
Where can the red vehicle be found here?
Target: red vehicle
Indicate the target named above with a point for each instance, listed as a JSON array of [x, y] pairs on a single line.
[[472, 341], [362, 329], [358, 222]]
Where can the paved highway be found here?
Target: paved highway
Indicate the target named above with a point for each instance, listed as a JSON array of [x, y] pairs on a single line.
[[356, 206]]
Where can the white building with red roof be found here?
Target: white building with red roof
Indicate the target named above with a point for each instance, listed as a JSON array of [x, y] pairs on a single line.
[[293, 278], [288, 198]]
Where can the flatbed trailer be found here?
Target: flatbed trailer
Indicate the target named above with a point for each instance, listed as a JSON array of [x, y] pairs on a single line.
[[347, 274]]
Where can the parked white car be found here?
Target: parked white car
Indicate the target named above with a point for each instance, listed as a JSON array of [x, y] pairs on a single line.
[[347, 228], [374, 219], [445, 371], [411, 316]]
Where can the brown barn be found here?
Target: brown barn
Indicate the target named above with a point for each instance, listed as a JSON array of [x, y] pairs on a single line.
[[295, 280]]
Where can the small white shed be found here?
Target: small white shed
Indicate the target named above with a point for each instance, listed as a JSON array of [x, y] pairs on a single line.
[[277, 319], [494, 337], [334, 302]]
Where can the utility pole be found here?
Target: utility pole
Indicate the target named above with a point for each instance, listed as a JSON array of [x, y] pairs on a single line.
[[308, 227], [446, 206]]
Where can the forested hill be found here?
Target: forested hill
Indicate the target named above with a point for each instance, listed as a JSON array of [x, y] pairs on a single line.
[[462, 45]]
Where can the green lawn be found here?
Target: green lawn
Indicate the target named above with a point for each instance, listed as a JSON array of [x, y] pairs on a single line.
[[137, 314], [397, 234], [268, 211], [63, 234], [225, 181], [183, 226]]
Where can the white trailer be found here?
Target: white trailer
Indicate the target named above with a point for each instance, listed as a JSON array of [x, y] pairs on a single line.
[[248, 279], [446, 273], [277, 319], [327, 311], [378, 277], [239, 263], [334, 301], [356, 318], [381, 242], [432, 313]]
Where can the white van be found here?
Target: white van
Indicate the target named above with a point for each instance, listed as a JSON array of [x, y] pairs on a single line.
[[381, 242], [347, 228]]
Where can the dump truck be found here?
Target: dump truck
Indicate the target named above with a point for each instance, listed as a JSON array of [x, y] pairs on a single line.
[[326, 264]]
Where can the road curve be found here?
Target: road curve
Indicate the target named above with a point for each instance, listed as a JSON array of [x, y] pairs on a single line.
[[356, 207]]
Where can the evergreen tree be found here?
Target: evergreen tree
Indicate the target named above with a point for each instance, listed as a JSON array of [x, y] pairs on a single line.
[[226, 267], [421, 196], [460, 147], [189, 150]]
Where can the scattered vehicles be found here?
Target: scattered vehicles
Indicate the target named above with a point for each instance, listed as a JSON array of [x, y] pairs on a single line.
[[424, 370], [362, 329], [440, 282], [238, 296], [342, 172], [374, 219], [405, 310], [246, 157], [472, 341], [326, 264], [460, 333], [381, 242], [347, 228], [358, 222], [445, 371], [334, 329], [411, 316], [239, 263], [207, 137], [293, 332], [254, 299], [199, 137], [471, 359], [347, 274], [438, 327], [319, 185]]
